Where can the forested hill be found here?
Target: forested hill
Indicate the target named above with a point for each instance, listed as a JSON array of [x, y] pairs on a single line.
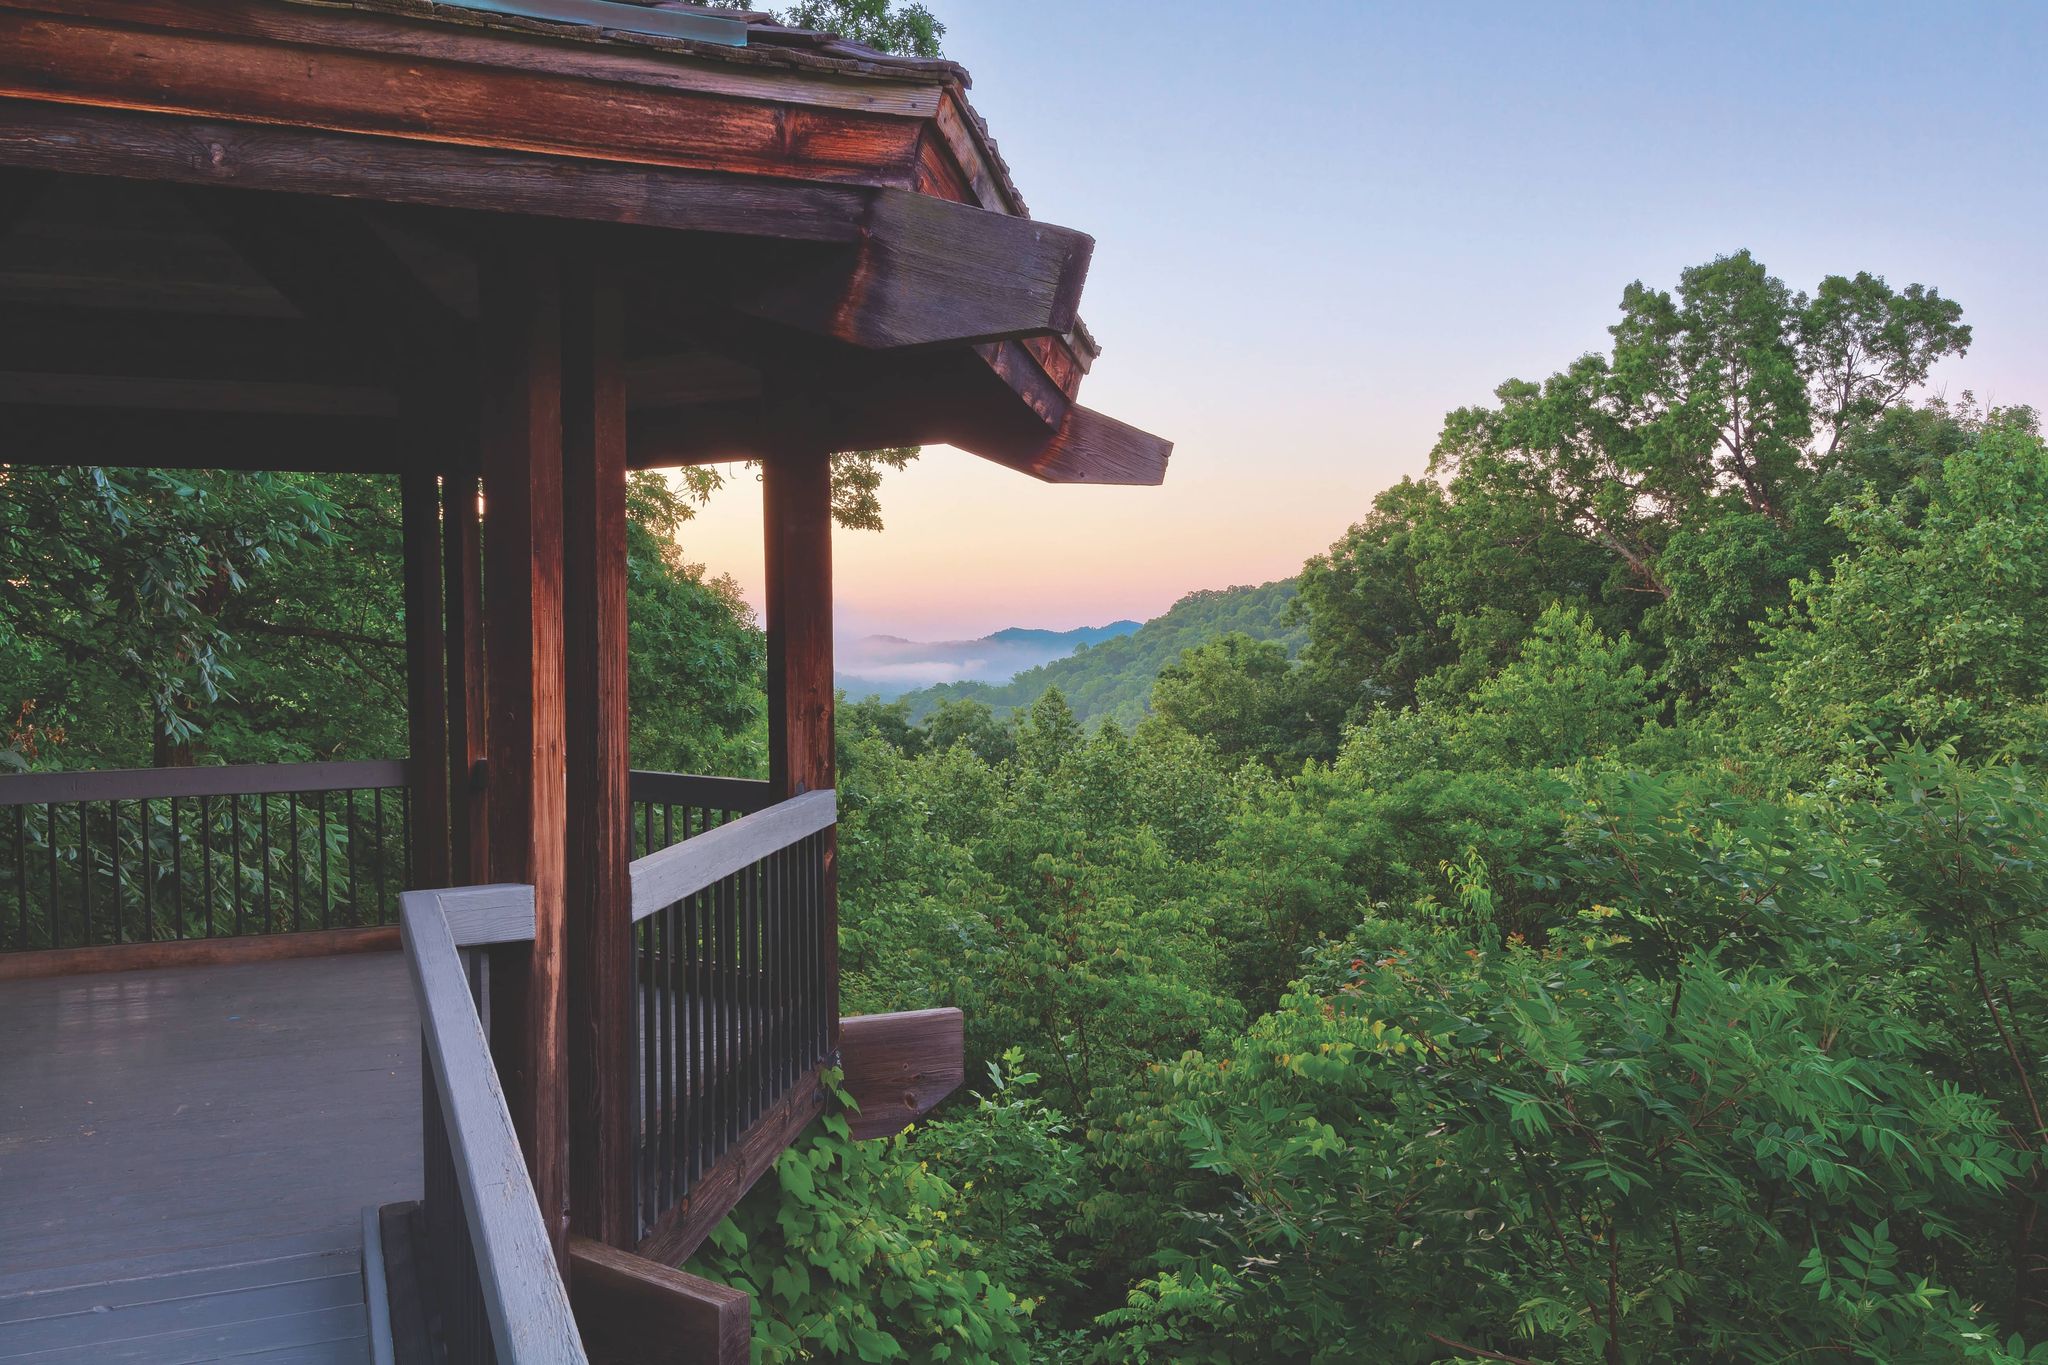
[[1113, 680]]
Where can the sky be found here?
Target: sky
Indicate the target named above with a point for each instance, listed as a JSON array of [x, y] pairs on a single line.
[[1321, 225]]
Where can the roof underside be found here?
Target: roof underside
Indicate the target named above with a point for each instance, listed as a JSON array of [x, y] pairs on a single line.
[[800, 217]]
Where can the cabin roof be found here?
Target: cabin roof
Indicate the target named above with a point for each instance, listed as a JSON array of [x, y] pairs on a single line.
[[787, 202]]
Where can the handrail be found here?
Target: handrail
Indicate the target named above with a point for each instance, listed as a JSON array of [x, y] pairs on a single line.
[[686, 868], [242, 779], [743, 794], [524, 1297]]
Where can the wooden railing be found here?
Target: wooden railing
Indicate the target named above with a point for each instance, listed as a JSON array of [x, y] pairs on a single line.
[[494, 1293], [671, 807], [156, 854], [734, 944]]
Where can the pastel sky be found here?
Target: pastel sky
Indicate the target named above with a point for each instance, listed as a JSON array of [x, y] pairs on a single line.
[[1321, 225]]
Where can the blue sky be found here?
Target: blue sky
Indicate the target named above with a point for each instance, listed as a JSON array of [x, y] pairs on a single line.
[[1319, 226]]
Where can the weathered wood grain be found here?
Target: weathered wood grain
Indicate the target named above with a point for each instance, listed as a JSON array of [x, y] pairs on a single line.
[[930, 272], [521, 374], [346, 89], [139, 144], [599, 905], [1091, 447], [634, 1311], [524, 1294], [433, 38], [899, 1066]]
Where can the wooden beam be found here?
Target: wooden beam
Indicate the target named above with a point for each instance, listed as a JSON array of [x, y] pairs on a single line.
[[634, 1311], [159, 345], [520, 374], [35, 434], [1090, 447], [196, 952], [160, 54], [334, 268], [462, 605], [149, 393], [929, 272], [797, 517], [797, 514], [141, 145], [600, 924], [686, 1224], [472, 34], [899, 1066], [426, 698]]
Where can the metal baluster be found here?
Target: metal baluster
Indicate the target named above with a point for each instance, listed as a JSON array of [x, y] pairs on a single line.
[[206, 861], [235, 853], [21, 871], [326, 888], [377, 846], [298, 868], [148, 873], [354, 903], [178, 864], [85, 867], [263, 820], [114, 861]]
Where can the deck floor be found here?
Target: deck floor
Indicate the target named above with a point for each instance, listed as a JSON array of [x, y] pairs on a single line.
[[186, 1154]]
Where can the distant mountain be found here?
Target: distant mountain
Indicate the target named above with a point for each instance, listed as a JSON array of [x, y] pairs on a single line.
[[1112, 679], [886, 666]]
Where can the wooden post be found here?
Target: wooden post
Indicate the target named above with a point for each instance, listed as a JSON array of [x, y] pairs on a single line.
[[426, 703], [600, 901], [521, 335], [797, 515], [461, 571]]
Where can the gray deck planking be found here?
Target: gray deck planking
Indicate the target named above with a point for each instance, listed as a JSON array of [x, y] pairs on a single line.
[[185, 1155]]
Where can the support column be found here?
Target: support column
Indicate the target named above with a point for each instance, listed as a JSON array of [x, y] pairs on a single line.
[[600, 904], [797, 514], [426, 713], [463, 594], [520, 318]]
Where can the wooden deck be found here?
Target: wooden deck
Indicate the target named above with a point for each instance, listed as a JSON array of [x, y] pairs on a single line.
[[186, 1154]]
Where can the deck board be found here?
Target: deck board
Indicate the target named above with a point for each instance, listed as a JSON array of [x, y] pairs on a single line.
[[185, 1155]]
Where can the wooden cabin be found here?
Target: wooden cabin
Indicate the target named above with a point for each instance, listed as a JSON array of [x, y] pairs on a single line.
[[505, 252]]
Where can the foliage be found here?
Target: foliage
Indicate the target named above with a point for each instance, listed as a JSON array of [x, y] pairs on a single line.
[[1113, 680], [850, 1254]]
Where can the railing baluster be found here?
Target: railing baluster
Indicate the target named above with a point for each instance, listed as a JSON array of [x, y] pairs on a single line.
[[148, 873], [235, 853], [85, 868], [178, 864], [114, 862], [326, 887], [377, 846], [21, 871], [263, 822], [298, 868], [355, 912]]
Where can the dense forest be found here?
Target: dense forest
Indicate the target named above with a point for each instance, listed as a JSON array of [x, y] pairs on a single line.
[[1618, 935], [1112, 679]]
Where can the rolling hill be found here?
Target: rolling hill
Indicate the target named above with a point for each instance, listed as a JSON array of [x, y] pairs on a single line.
[[1112, 680]]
